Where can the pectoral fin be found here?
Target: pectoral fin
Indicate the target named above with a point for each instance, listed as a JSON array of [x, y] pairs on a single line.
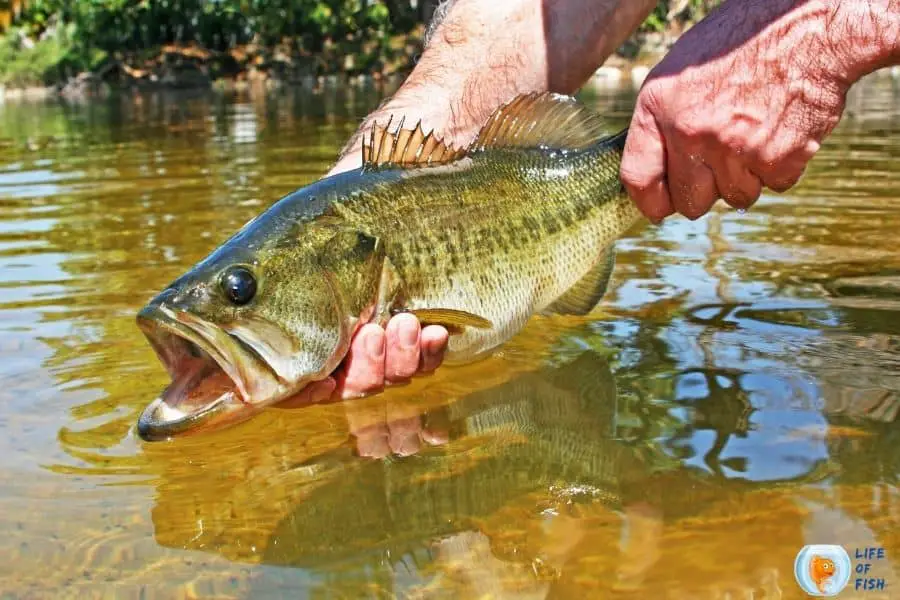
[[355, 260], [454, 320], [587, 293]]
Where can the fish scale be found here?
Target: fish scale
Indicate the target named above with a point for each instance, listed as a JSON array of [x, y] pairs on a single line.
[[524, 246], [478, 240]]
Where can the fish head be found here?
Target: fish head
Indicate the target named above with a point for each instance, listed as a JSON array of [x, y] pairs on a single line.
[[240, 331], [822, 567]]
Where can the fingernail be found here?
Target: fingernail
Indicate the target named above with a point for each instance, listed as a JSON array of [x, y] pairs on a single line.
[[408, 334], [375, 344]]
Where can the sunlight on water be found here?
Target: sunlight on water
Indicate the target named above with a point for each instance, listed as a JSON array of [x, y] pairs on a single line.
[[736, 398]]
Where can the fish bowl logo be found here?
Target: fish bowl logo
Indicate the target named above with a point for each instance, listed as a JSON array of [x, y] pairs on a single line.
[[822, 570]]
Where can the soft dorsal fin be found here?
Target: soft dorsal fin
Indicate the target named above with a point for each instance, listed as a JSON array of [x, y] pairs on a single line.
[[582, 297], [405, 147], [541, 120]]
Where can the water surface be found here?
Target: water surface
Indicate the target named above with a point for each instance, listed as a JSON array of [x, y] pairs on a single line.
[[735, 398]]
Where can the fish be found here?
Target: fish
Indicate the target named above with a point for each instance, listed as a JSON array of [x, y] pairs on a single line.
[[549, 432], [522, 221], [821, 570]]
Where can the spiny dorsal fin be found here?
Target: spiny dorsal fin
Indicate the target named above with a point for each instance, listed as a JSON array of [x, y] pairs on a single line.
[[405, 147], [541, 120], [582, 297]]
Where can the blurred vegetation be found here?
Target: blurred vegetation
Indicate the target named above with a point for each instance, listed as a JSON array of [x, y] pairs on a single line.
[[51, 41]]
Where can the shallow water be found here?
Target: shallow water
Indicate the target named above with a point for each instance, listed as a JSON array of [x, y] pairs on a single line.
[[736, 397]]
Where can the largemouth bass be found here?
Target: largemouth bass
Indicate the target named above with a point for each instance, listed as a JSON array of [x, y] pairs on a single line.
[[477, 240]]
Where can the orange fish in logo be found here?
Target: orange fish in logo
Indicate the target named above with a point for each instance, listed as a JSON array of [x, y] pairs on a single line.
[[821, 570]]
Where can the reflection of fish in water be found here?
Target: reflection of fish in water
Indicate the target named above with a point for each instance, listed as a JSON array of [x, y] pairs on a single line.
[[821, 570], [543, 440], [545, 430], [551, 432], [549, 428]]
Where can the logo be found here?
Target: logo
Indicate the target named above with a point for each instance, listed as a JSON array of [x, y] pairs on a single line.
[[822, 570]]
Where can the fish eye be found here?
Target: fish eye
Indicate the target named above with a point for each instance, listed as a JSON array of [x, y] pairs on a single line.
[[239, 285]]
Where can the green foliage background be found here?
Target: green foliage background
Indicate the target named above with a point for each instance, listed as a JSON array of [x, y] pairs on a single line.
[[51, 40]]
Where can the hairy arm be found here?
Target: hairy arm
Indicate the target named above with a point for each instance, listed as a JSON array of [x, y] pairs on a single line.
[[867, 32], [483, 53]]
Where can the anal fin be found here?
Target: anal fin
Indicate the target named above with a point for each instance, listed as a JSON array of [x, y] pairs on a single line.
[[582, 297]]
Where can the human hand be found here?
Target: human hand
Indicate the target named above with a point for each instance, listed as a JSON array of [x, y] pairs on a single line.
[[379, 356], [743, 100]]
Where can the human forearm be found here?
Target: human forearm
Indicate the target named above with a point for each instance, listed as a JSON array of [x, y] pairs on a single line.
[[866, 35], [484, 53]]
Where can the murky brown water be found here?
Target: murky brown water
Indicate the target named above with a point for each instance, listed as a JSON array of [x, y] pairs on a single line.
[[737, 398]]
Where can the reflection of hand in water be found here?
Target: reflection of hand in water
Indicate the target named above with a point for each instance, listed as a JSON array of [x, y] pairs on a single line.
[[641, 537], [392, 427]]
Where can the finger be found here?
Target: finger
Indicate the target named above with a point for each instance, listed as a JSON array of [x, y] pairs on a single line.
[[436, 428], [643, 169], [402, 355], [780, 175], [738, 186], [314, 393], [692, 185], [434, 339], [404, 437], [363, 371], [435, 436], [367, 424], [372, 442]]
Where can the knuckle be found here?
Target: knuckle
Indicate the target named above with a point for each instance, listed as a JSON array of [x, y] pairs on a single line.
[[693, 205], [740, 199], [650, 94], [782, 182], [656, 212], [686, 128], [735, 198], [780, 186]]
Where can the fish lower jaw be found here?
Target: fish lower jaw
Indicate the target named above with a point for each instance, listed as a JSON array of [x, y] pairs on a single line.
[[203, 393], [160, 422]]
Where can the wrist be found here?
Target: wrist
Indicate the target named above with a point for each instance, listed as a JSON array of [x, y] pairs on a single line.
[[481, 56], [465, 73], [864, 35]]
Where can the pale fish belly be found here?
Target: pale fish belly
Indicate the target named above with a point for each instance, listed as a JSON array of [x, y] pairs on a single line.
[[507, 307], [526, 282]]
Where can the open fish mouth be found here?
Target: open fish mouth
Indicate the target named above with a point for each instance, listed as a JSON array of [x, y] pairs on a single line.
[[215, 377]]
